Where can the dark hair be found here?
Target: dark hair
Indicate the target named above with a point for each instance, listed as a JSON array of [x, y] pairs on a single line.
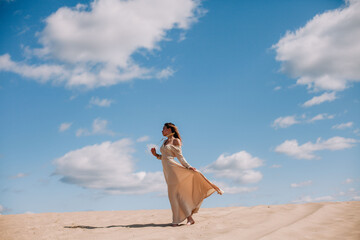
[[174, 129]]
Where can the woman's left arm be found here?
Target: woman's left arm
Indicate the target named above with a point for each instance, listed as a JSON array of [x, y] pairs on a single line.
[[178, 154]]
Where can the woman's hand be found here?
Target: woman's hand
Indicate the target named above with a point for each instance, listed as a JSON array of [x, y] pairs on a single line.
[[153, 151], [192, 168]]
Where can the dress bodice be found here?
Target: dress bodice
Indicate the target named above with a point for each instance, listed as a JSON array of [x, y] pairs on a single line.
[[169, 152]]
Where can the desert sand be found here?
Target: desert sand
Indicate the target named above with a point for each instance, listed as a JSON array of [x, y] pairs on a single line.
[[330, 220]]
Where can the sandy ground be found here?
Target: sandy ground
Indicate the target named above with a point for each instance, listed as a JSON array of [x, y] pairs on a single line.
[[332, 220]]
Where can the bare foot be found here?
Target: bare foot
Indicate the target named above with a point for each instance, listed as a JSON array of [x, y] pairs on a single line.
[[190, 221], [175, 225]]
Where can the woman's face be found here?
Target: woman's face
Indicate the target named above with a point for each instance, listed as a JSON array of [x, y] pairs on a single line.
[[166, 131]]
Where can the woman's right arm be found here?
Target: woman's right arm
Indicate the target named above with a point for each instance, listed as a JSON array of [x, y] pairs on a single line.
[[153, 151]]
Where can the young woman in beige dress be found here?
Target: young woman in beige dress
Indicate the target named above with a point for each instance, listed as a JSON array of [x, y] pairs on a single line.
[[187, 187]]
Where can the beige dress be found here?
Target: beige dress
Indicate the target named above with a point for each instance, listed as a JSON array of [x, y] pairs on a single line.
[[186, 188]]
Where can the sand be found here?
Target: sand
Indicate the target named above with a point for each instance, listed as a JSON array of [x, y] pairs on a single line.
[[330, 220]]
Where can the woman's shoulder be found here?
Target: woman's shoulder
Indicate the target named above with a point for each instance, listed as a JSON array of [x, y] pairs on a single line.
[[177, 142]]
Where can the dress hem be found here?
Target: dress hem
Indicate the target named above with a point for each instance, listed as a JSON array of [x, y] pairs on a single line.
[[195, 210]]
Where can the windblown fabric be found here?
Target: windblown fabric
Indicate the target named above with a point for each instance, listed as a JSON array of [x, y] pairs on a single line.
[[186, 188]]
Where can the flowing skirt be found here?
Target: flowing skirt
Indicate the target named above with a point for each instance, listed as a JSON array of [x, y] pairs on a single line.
[[186, 190]]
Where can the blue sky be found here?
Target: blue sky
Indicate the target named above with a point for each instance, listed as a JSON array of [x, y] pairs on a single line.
[[265, 95]]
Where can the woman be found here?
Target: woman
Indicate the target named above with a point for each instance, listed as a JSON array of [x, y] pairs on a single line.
[[187, 187]]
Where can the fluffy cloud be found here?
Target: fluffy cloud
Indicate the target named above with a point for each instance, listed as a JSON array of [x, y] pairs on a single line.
[[150, 146], [325, 97], [165, 73], [306, 151], [94, 45], [64, 126], [307, 199], [275, 166], [287, 121], [41, 73], [349, 180], [357, 131], [19, 175], [343, 125], [100, 102], [143, 139], [237, 167], [4, 210], [325, 53], [99, 126], [284, 122], [234, 189], [321, 116], [301, 184], [108, 166], [349, 194]]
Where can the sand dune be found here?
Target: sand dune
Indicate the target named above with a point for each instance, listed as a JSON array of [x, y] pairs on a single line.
[[332, 220]]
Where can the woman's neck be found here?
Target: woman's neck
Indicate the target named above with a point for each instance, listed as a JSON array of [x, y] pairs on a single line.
[[170, 136]]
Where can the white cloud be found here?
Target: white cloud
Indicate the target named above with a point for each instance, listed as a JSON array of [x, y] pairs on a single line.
[[325, 97], [287, 121], [284, 122], [277, 88], [108, 166], [100, 102], [234, 189], [143, 139], [349, 180], [19, 175], [165, 73], [325, 53], [82, 132], [321, 116], [301, 184], [276, 166], [306, 151], [41, 73], [182, 37], [356, 198], [151, 145], [4, 209], [99, 127], [357, 131], [343, 125], [352, 189], [237, 167], [351, 192], [64, 126], [94, 45], [306, 199]]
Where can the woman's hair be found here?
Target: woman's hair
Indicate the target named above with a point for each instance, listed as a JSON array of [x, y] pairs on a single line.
[[174, 129]]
